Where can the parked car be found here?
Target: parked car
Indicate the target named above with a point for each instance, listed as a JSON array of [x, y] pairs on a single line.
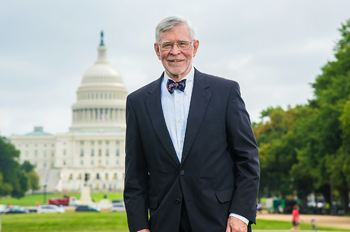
[[86, 208], [15, 209], [50, 209], [117, 207]]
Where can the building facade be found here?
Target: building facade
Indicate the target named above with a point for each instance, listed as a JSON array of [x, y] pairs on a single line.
[[93, 148]]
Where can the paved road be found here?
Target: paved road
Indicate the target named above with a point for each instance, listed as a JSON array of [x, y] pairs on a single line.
[[320, 220]]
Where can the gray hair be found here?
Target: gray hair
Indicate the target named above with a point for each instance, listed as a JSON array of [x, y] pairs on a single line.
[[170, 22]]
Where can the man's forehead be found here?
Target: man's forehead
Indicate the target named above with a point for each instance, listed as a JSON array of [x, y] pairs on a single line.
[[178, 32]]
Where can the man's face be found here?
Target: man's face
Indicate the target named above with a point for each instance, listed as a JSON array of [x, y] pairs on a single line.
[[177, 63]]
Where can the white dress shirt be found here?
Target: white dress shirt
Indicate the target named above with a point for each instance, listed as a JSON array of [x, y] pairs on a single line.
[[175, 110]]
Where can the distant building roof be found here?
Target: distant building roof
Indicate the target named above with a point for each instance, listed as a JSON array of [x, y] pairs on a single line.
[[38, 131]]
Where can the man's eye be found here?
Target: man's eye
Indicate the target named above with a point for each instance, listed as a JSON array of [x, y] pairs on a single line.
[[167, 45], [183, 43]]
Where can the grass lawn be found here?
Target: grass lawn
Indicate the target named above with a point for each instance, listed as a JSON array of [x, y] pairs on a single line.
[[32, 200], [100, 222], [262, 224]]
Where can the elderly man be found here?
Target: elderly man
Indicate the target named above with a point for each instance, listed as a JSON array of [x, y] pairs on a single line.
[[191, 157]]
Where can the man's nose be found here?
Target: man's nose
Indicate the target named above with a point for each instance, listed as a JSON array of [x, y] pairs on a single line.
[[175, 49]]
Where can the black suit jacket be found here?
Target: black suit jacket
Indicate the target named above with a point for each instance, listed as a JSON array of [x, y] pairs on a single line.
[[219, 170]]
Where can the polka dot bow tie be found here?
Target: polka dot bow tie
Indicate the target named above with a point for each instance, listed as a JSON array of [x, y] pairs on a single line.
[[171, 85]]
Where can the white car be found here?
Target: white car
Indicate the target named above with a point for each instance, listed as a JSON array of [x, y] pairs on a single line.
[[50, 209], [117, 207]]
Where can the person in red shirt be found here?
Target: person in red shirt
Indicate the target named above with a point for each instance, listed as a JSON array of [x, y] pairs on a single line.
[[295, 219]]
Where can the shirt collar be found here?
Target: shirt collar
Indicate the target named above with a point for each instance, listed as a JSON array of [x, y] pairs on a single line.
[[189, 83]]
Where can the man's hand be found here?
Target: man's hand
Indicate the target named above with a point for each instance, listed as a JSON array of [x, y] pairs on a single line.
[[236, 225], [144, 230]]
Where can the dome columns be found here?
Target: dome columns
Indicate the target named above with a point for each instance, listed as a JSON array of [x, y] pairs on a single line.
[[98, 114]]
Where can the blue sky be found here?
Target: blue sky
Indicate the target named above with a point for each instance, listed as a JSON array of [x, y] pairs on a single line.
[[273, 48]]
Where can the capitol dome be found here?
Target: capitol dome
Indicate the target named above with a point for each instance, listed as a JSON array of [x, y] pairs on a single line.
[[101, 97]]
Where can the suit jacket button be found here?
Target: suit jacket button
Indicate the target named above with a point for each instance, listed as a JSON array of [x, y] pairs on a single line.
[[182, 172], [177, 201]]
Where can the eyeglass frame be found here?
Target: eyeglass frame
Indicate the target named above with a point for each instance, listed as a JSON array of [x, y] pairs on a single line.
[[160, 47]]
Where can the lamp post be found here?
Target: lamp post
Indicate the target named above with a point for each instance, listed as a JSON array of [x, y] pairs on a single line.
[[44, 194]]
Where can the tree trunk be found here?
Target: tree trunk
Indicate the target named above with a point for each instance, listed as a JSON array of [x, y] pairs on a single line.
[[344, 194]]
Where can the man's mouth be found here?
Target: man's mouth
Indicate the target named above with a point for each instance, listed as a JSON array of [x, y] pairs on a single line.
[[175, 60]]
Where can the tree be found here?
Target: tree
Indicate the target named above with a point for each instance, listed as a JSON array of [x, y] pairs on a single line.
[[27, 166], [10, 169], [33, 179]]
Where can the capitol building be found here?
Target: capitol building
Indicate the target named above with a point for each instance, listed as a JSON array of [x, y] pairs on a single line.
[[93, 148]]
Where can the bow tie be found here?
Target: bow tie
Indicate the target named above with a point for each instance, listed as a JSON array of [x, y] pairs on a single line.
[[171, 85]]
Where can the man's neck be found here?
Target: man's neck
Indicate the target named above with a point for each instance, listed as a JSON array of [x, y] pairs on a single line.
[[179, 77]]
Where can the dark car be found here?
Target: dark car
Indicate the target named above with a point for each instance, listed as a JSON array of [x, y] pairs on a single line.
[[86, 208], [15, 210]]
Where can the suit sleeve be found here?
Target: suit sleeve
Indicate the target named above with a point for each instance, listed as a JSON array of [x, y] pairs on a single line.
[[136, 174], [245, 154]]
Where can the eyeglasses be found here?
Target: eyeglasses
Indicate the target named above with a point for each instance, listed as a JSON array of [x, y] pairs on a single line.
[[182, 45]]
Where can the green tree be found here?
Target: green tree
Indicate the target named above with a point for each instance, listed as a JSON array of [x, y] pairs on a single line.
[[27, 166], [5, 188], [10, 169], [33, 179]]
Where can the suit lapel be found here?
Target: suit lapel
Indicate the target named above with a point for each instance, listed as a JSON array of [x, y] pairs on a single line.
[[155, 112], [199, 102]]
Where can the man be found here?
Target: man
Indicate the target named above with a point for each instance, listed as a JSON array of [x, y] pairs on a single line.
[[191, 157]]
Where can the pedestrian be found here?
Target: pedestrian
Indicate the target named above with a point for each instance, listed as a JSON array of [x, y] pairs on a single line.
[[191, 157], [295, 219]]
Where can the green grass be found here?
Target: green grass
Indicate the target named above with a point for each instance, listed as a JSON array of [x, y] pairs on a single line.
[[32, 200], [68, 222], [102, 222], [262, 224]]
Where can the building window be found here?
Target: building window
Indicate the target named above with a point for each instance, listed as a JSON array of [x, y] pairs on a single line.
[[82, 152], [117, 152], [99, 152], [107, 152], [107, 142], [36, 153], [45, 145], [99, 142], [52, 164], [81, 142], [92, 142], [64, 163], [106, 162], [81, 162], [117, 162], [52, 154], [64, 152], [44, 164], [45, 153], [92, 152], [117, 142], [106, 176], [27, 153], [97, 176], [92, 162], [53, 145], [115, 176], [70, 176], [79, 176]]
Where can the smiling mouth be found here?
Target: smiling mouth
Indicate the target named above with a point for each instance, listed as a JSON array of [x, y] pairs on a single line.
[[175, 60]]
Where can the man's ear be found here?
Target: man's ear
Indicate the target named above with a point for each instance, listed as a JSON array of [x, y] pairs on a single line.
[[195, 47], [156, 49]]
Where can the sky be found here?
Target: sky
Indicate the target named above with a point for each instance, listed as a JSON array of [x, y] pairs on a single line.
[[273, 48]]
